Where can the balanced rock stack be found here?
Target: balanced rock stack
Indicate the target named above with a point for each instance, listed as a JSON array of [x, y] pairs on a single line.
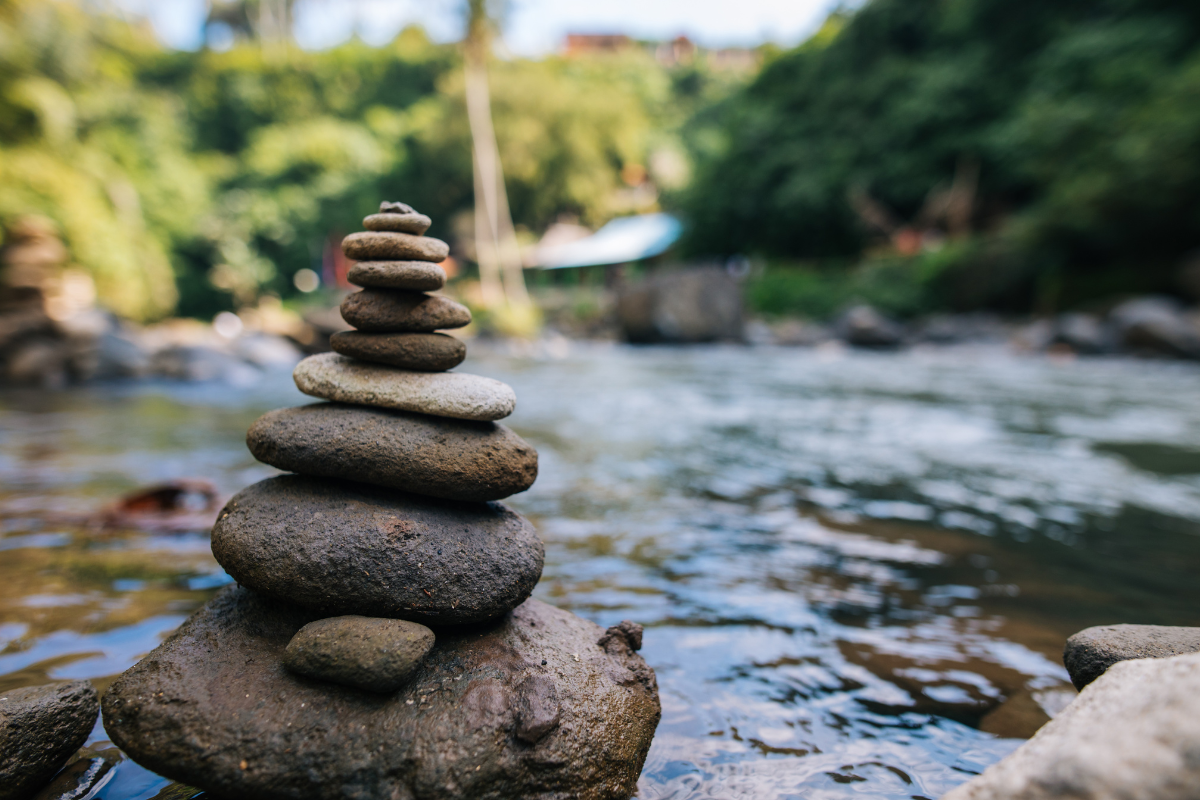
[[381, 641]]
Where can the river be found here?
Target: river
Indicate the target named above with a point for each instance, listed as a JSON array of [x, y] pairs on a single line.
[[856, 570]]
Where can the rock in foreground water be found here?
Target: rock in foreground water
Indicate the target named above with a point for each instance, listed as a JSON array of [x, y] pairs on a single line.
[[341, 548], [413, 276], [389, 311], [369, 653], [1133, 733], [390, 246], [40, 728], [433, 352], [532, 707], [332, 376], [1092, 651], [436, 456]]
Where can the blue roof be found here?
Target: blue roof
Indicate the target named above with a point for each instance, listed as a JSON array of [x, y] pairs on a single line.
[[620, 241]]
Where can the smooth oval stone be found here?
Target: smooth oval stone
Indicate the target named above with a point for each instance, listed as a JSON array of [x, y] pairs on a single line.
[[392, 246], [432, 352], [332, 376], [394, 311], [413, 223], [212, 707], [341, 548], [369, 653], [435, 456], [40, 728], [415, 276]]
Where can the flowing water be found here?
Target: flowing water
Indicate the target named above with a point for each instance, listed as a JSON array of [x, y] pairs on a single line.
[[856, 570]]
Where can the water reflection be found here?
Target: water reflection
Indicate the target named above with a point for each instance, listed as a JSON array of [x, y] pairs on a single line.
[[856, 574]]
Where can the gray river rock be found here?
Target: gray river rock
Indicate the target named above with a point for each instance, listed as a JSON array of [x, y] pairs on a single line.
[[434, 352], [40, 728], [412, 222], [370, 653], [391, 246], [340, 548], [436, 456], [392, 310], [533, 707], [1092, 651], [413, 276]]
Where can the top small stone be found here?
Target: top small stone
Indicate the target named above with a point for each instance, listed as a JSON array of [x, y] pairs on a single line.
[[387, 207], [397, 217]]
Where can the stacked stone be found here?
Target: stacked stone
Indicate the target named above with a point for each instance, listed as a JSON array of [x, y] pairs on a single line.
[[381, 641]]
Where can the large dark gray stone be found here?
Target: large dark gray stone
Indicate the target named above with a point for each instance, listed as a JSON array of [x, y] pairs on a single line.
[[437, 456], [433, 352], [393, 310], [1092, 651], [370, 653], [531, 707], [40, 728], [343, 548]]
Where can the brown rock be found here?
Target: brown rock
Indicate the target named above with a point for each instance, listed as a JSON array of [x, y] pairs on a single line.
[[341, 548], [435, 456], [213, 707], [391, 246], [393, 311], [413, 276], [413, 223], [369, 653], [40, 728], [432, 352]]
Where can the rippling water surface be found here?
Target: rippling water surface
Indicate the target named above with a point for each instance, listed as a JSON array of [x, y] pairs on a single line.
[[856, 571]]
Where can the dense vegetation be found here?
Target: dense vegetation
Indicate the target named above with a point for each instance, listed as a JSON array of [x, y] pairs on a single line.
[[1079, 119]]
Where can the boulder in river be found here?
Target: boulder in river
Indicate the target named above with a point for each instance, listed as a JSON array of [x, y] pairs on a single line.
[[532, 706], [40, 728], [702, 304], [1156, 325], [1092, 651]]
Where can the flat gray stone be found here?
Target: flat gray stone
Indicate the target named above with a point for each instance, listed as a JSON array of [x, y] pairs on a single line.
[[332, 376], [40, 728], [1132, 734], [432, 352], [369, 653], [435, 456], [413, 276], [341, 548], [1092, 651], [395, 311], [213, 707], [393, 246], [413, 223]]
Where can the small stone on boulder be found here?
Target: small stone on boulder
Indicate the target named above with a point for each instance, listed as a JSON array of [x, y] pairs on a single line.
[[1092, 651], [435, 456], [341, 548], [332, 376], [413, 276], [392, 311], [40, 728], [369, 653], [431, 352], [393, 246]]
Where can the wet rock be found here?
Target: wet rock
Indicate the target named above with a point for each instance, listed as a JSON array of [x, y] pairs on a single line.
[[435, 456], [413, 276], [692, 305], [199, 363], [331, 376], [343, 548], [413, 223], [1156, 325], [863, 326], [369, 653], [392, 246], [452, 732], [1132, 733], [40, 728], [1092, 651], [977, 326], [1083, 333], [388, 311], [76, 780], [434, 352]]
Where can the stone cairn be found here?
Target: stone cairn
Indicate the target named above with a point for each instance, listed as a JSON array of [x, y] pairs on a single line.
[[381, 642]]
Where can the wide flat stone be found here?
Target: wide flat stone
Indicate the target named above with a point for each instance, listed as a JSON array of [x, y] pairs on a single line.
[[40, 728], [343, 548], [1092, 651], [413, 276], [531, 707], [435, 456], [370, 653], [332, 376], [392, 310], [413, 223], [1132, 733], [394, 246], [432, 352]]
